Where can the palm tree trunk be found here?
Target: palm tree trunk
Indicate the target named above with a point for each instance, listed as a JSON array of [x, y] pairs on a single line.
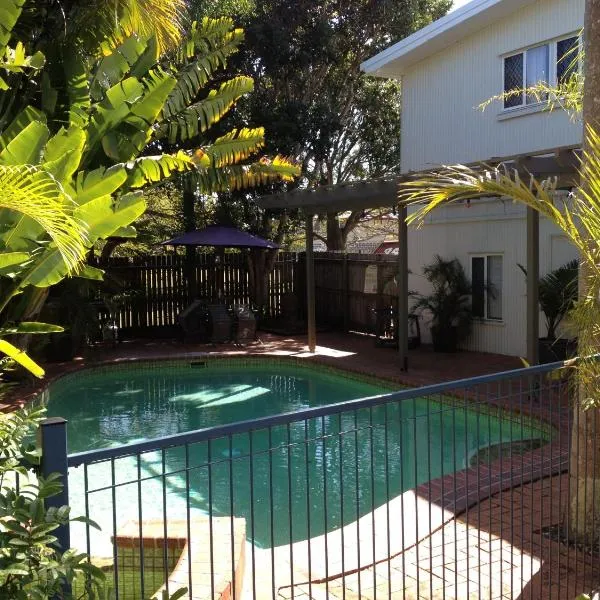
[[584, 462]]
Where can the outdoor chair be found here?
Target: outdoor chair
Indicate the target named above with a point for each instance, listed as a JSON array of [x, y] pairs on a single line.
[[193, 321], [245, 324], [220, 323]]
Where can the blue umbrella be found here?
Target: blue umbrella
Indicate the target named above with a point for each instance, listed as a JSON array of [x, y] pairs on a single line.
[[225, 237]]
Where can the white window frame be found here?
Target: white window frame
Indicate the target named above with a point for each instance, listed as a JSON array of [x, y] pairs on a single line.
[[552, 62], [485, 256]]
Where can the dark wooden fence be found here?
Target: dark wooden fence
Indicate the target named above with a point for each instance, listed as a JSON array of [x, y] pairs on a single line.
[[350, 286], [155, 289]]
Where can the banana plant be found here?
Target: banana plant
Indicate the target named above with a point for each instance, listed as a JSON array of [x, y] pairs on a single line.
[[99, 146]]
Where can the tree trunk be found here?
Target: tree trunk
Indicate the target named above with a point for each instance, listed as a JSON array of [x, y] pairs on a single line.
[[584, 462], [109, 248], [259, 268], [189, 224], [335, 237]]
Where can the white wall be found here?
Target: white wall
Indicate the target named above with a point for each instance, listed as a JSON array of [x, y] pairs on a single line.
[[440, 121], [487, 226]]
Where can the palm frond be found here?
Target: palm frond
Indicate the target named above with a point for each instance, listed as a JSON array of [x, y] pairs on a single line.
[[238, 177], [11, 11], [190, 120], [36, 195], [205, 49], [117, 19], [235, 146], [458, 183], [153, 169], [578, 218], [211, 35], [165, 19]]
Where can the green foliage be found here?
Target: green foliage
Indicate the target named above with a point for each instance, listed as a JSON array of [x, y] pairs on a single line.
[[310, 93], [31, 564], [557, 293], [71, 185], [449, 304]]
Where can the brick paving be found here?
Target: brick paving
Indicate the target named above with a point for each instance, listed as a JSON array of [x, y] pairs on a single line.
[[476, 553], [479, 554]]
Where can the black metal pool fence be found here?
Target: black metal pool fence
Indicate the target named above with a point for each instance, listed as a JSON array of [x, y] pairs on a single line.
[[456, 490]]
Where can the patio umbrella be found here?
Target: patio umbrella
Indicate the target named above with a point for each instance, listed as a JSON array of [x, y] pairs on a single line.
[[224, 237], [221, 237]]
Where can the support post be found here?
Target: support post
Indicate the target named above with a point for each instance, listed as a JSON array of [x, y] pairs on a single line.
[[310, 285], [402, 287], [533, 276], [346, 292], [52, 439]]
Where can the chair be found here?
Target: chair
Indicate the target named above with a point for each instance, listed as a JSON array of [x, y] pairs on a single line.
[[220, 323], [193, 321]]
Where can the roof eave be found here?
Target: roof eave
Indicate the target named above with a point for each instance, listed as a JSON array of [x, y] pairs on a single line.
[[435, 37]]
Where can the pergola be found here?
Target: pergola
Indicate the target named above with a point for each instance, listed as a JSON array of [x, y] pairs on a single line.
[[561, 163]]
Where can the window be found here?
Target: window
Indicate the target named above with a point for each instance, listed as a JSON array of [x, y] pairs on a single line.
[[486, 280], [567, 58], [549, 63]]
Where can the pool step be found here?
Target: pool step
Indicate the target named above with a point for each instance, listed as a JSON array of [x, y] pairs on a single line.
[[182, 552]]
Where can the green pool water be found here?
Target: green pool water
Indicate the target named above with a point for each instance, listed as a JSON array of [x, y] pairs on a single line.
[[289, 482]]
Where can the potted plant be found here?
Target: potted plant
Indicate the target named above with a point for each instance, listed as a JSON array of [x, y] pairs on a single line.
[[448, 305], [557, 294]]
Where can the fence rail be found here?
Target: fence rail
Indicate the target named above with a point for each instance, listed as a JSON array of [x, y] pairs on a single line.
[[448, 491]]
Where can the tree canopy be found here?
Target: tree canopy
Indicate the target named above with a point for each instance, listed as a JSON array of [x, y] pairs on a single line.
[[310, 94]]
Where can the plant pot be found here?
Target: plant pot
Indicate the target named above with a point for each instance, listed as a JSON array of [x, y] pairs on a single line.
[[444, 339], [553, 350]]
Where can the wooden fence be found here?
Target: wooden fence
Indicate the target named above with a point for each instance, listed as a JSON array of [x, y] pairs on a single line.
[[350, 286], [155, 289]]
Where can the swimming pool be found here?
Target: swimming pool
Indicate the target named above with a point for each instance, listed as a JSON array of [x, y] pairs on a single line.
[[290, 482]]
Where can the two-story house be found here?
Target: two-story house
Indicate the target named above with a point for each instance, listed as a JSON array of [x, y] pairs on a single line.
[[447, 70]]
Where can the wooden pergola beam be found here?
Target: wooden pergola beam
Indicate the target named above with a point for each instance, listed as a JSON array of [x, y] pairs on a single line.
[[562, 162]]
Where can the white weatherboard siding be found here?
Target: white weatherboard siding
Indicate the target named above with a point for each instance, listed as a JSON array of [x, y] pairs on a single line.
[[440, 120], [484, 227]]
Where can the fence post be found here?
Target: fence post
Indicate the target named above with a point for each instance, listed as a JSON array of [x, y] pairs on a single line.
[[52, 439], [346, 293]]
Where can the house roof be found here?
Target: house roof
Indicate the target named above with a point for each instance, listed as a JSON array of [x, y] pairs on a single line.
[[394, 61]]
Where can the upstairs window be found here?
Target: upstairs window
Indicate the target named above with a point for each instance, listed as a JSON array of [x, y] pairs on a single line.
[[567, 58], [486, 282], [550, 63]]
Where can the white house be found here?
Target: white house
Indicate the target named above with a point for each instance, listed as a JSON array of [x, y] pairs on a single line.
[[447, 70]]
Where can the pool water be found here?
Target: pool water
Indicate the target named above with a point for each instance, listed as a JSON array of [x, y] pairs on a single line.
[[278, 478]]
